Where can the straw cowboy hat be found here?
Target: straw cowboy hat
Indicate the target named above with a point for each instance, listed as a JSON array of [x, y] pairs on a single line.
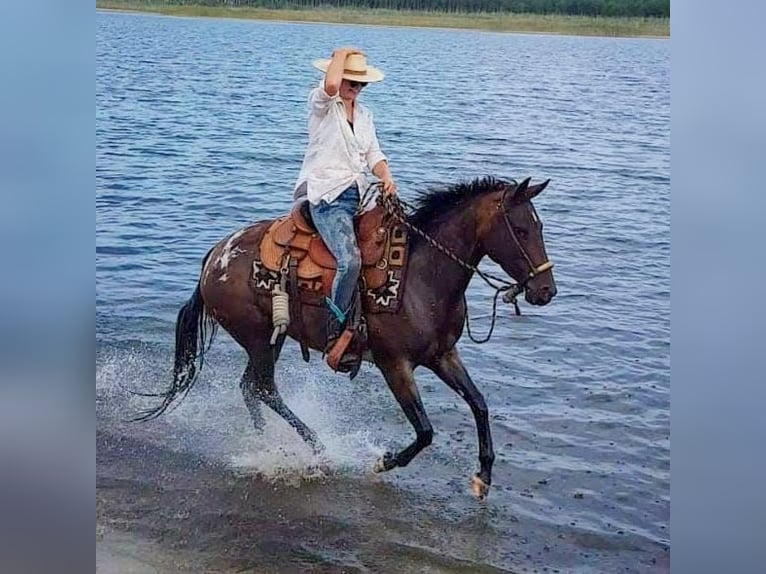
[[354, 69]]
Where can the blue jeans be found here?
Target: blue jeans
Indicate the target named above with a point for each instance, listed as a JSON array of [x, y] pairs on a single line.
[[335, 223]]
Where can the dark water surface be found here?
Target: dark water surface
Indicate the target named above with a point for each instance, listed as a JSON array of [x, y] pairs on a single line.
[[200, 129]]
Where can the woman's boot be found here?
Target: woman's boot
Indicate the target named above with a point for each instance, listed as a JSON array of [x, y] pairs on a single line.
[[341, 352]]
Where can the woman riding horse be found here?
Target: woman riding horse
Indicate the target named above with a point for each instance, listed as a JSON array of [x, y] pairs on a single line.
[[460, 225], [342, 142]]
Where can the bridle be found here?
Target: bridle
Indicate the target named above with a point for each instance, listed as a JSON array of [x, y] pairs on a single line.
[[534, 270], [396, 207]]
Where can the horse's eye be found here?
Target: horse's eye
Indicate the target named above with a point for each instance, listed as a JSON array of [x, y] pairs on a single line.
[[520, 233]]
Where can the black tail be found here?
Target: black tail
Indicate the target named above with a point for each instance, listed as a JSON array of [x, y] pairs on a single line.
[[195, 330]]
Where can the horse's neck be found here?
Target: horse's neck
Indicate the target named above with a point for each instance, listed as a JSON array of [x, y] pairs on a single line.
[[458, 235]]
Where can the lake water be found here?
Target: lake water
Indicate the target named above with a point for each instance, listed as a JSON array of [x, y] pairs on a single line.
[[200, 129]]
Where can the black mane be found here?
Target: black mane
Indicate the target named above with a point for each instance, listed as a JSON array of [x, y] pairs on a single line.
[[431, 204]]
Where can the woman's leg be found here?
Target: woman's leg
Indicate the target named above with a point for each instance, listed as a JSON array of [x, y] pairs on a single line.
[[335, 223]]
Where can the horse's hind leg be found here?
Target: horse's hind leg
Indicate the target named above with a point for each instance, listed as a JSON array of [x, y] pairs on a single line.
[[248, 384], [258, 385], [402, 384], [449, 368]]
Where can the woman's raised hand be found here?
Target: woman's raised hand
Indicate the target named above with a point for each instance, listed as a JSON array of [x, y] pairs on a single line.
[[346, 51]]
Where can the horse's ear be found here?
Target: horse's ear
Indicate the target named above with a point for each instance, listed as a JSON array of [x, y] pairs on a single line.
[[534, 191], [522, 187], [518, 194]]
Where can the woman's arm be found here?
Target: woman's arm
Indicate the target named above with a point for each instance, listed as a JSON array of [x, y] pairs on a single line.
[[334, 75], [382, 172]]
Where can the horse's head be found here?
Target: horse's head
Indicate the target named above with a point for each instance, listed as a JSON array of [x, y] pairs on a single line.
[[512, 234]]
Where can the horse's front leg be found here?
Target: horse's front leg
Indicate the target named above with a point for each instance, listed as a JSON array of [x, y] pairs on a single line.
[[450, 369], [400, 380]]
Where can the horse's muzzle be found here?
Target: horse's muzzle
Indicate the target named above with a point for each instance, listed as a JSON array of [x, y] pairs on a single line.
[[541, 295]]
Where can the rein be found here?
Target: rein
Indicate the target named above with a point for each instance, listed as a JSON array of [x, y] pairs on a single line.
[[396, 208]]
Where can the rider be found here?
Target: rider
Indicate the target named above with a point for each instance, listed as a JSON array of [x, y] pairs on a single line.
[[342, 142]]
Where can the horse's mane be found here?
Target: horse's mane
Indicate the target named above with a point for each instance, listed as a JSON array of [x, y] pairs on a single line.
[[431, 204]]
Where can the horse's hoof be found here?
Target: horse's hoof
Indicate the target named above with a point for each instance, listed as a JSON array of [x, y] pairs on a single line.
[[479, 487], [321, 469], [384, 463]]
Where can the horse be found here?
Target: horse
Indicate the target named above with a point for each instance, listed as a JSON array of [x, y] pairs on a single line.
[[466, 221]]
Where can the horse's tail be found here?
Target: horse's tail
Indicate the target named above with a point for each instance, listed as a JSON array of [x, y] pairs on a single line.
[[195, 331]]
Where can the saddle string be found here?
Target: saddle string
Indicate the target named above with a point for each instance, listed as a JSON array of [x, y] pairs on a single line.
[[280, 304], [396, 206]]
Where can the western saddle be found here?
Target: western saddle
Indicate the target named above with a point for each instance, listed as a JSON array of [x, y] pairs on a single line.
[[296, 236]]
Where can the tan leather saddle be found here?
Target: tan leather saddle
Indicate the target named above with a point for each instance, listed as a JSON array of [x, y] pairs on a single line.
[[295, 235]]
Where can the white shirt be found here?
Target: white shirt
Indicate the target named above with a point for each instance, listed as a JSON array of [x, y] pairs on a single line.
[[336, 156]]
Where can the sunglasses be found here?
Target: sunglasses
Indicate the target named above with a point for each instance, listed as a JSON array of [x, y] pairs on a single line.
[[354, 84]]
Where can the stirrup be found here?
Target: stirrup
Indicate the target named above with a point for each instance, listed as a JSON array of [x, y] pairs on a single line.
[[340, 354], [346, 333]]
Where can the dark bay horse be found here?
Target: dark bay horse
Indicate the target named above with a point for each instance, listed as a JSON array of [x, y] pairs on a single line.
[[485, 217]]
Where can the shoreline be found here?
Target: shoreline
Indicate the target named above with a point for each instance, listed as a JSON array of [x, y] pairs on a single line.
[[559, 25]]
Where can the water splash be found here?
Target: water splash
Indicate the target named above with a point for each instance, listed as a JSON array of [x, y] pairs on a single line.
[[213, 422]]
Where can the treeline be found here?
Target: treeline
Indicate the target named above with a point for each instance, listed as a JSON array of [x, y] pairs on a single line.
[[640, 8]]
